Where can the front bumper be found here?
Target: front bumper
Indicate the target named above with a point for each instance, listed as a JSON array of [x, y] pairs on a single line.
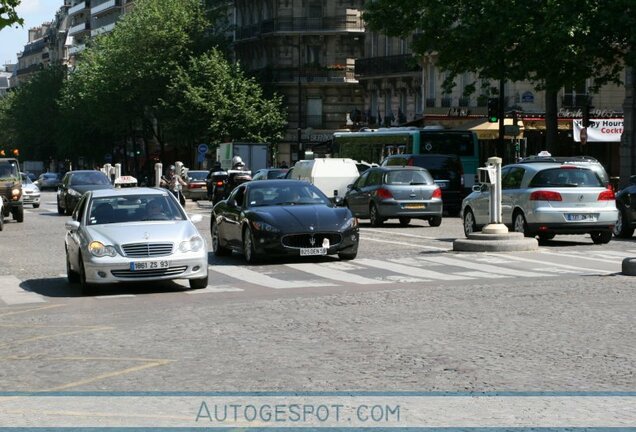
[[272, 244], [31, 199], [108, 270]]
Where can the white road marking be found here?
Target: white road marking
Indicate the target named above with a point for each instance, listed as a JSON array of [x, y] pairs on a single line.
[[581, 270], [481, 275], [405, 244], [252, 277], [580, 256], [408, 270], [395, 233], [12, 293], [114, 296], [215, 290], [337, 275], [481, 267]]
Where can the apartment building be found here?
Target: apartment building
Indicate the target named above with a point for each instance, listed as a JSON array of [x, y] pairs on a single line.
[[304, 50]]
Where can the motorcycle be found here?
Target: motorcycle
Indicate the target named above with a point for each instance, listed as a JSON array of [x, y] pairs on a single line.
[[222, 183]]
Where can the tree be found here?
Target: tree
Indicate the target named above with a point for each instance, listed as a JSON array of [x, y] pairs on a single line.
[[8, 15], [213, 100], [551, 43]]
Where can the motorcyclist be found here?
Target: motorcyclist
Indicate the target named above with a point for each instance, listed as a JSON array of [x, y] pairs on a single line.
[[174, 183], [238, 164]]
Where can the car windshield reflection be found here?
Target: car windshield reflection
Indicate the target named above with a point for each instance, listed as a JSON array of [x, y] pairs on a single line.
[[133, 208], [290, 195]]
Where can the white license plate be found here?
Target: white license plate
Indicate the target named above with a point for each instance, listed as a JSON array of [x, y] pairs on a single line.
[[580, 217], [149, 265], [313, 251]]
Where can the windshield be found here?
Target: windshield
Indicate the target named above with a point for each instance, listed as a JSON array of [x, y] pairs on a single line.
[[288, 194], [26, 179], [133, 208], [197, 175], [9, 170], [89, 178], [566, 177], [408, 177]]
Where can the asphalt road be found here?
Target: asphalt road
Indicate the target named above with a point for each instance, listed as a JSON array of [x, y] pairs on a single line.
[[407, 314]]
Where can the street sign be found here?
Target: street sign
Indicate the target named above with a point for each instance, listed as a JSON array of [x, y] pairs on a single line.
[[203, 148]]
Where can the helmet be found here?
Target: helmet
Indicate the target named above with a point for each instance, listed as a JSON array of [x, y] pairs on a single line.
[[172, 168], [237, 160]]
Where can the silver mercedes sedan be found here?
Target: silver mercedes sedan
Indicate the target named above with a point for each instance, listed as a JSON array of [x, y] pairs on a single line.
[[547, 199], [133, 234]]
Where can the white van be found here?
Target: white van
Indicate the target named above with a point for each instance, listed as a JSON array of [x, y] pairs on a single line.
[[330, 175]]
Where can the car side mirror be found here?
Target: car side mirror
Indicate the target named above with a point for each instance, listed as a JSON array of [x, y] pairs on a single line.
[[478, 188], [72, 225], [349, 187]]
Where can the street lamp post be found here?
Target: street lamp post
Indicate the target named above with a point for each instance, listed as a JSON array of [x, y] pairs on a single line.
[[301, 153]]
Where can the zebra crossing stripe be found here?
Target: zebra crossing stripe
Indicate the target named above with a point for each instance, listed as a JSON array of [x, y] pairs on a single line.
[[333, 274], [481, 267], [214, 290], [585, 256], [255, 278], [394, 267], [12, 293], [581, 270]]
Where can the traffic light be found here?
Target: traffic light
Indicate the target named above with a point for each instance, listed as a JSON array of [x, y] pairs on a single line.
[[16, 152], [493, 110], [2, 153]]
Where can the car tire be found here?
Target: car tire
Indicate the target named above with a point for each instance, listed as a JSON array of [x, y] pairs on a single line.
[[346, 256], [435, 221], [546, 236], [18, 214], [601, 237], [622, 228], [248, 246], [73, 276], [405, 221], [36, 205], [85, 287], [199, 283], [1, 221], [374, 216], [519, 224], [216, 241], [68, 210], [470, 226], [60, 209]]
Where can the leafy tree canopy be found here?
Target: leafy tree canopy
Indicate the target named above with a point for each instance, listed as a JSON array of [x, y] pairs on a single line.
[[8, 15]]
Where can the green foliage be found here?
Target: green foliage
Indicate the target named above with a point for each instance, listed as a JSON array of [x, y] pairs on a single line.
[[551, 43], [8, 15]]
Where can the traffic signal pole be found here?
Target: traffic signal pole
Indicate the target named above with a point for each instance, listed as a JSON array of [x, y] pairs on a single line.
[[500, 112]]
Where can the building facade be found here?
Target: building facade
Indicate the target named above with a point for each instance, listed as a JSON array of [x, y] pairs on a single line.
[[304, 50]]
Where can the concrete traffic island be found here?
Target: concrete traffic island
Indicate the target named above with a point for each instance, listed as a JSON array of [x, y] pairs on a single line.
[[500, 242], [495, 237]]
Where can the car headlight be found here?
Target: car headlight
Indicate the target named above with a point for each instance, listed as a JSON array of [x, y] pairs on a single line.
[[74, 193], [15, 193], [262, 226], [350, 223], [99, 249], [194, 244]]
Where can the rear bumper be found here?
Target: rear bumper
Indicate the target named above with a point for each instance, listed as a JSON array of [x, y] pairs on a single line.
[[555, 221], [394, 209]]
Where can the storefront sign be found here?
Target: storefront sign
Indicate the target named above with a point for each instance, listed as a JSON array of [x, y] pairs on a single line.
[[599, 130], [527, 97]]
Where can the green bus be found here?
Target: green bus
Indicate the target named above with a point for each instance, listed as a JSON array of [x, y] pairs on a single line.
[[374, 145]]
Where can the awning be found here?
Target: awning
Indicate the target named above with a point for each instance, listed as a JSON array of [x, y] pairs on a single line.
[[490, 131]]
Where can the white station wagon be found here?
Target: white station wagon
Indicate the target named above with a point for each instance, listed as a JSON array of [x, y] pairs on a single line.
[[546, 199]]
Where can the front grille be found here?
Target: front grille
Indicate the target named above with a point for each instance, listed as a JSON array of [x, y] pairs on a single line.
[[144, 250], [304, 240], [170, 271]]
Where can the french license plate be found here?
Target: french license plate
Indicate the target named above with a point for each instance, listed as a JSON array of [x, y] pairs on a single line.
[[414, 206], [149, 265], [313, 251], [580, 217]]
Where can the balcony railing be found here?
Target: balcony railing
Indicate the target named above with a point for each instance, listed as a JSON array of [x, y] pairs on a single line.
[[29, 69], [102, 7], [303, 24], [447, 102], [79, 28], [79, 8], [396, 64], [291, 75], [315, 121], [464, 101], [102, 29], [75, 49]]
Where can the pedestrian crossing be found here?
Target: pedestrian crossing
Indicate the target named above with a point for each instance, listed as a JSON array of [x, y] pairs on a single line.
[[426, 269]]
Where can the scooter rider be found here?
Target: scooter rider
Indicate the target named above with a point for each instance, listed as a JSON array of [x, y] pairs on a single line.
[[174, 183], [238, 164]]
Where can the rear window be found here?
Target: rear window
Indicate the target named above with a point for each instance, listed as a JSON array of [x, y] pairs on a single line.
[[566, 177], [440, 167], [408, 177], [89, 178], [197, 175]]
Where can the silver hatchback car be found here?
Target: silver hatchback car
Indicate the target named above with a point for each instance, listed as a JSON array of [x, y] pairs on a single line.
[[404, 193], [546, 199]]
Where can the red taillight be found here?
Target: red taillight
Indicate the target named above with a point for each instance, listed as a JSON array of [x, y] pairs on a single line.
[[437, 193], [383, 194], [410, 162], [545, 196], [219, 183], [606, 195]]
